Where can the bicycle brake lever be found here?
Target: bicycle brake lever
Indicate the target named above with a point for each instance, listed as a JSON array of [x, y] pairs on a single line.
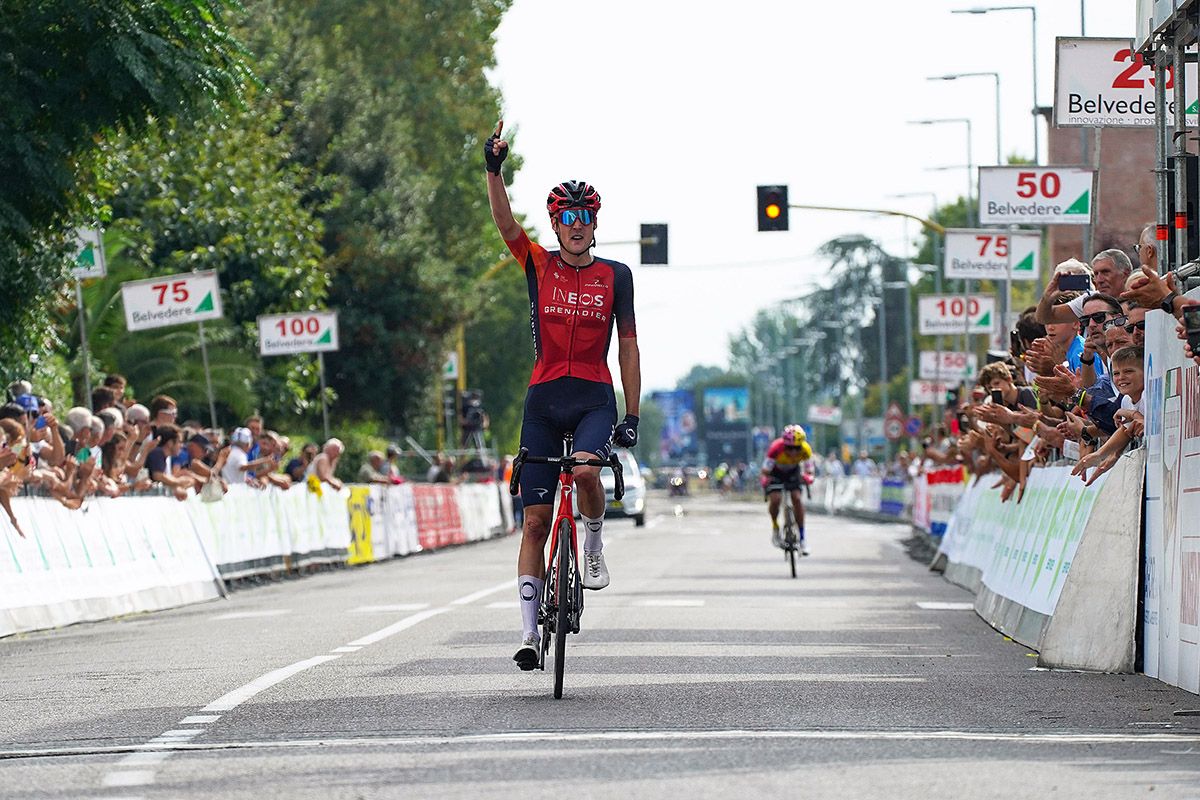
[[618, 477], [514, 483]]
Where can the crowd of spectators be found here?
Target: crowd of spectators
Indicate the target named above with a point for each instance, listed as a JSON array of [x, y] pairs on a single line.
[[1071, 387], [121, 446]]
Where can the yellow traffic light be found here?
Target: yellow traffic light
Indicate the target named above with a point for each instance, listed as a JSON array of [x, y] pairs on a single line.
[[773, 210]]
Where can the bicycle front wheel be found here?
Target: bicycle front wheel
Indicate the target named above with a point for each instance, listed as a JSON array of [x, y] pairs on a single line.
[[789, 539], [562, 598]]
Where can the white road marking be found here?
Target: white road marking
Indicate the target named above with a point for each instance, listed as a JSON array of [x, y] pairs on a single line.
[[384, 609], [199, 719], [181, 733], [241, 694], [669, 602], [504, 604], [345, 649], [473, 596], [932, 606], [144, 759], [130, 777], [395, 627], [270, 612]]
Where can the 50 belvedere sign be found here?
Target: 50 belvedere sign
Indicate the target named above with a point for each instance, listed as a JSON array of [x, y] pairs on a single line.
[[171, 300], [1035, 195], [301, 332]]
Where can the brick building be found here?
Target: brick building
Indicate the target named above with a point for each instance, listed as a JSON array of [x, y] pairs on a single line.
[[1125, 193]]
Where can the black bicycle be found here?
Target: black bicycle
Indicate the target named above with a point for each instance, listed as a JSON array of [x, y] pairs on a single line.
[[562, 598], [791, 538]]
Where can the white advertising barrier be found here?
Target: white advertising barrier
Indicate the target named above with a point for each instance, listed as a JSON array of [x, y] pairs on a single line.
[[479, 509], [1036, 195], [936, 493], [119, 557], [393, 521], [251, 531], [1103, 83], [1063, 540], [1171, 616]]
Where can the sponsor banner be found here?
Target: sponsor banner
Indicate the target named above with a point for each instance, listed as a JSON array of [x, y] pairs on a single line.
[[989, 254], [1028, 195], [727, 423], [936, 493], [171, 300], [125, 555], [89, 255], [679, 440], [1023, 549], [359, 506], [947, 365], [439, 523], [824, 415], [950, 314], [1171, 594], [1103, 83], [306, 332], [893, 496]]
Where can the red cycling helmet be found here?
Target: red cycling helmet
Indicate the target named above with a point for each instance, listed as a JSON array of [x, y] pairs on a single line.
[[573, 194]]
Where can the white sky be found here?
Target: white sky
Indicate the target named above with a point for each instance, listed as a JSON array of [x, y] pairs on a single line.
[[676, 111]]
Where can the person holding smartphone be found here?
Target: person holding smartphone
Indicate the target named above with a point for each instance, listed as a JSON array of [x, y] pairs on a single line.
[[576, 301], [1107, 276]]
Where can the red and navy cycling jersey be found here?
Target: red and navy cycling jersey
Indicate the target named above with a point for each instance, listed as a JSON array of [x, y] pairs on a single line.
[[572, 311]]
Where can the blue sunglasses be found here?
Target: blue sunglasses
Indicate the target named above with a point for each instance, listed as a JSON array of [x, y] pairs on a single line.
[[569, 216]]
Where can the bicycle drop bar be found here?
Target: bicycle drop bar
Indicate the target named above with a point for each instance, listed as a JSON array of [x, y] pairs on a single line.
[[567, 463]]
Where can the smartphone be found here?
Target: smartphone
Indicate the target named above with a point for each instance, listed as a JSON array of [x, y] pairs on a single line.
[[1191, 323], [1074, 283], [39, 423], [997, 397], [1014, 344]]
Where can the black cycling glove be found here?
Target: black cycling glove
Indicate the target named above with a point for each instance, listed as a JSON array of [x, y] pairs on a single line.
[[492, 160], [625, 434]]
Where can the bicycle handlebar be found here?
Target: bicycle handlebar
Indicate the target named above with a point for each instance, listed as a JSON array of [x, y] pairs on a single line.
[[567, 463]]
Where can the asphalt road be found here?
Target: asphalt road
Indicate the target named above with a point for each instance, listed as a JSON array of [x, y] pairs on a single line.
[[704, 670]]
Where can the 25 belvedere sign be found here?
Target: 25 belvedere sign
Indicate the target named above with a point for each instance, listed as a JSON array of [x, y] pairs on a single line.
[[1104, 83], [978, 254], [171, 300], [953, 314], [301, 332], [1035, 195]]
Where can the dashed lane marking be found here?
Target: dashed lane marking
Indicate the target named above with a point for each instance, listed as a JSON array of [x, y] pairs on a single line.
[[129, 777], [199, 719], [482, 593], [270, 612], [390, 630], [670, 602], [387, 609], [934, 606], [232, 700]]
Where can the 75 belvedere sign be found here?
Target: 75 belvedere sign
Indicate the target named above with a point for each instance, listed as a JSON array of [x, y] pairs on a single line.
[[171, 300], [984, 254], [1035, 195]]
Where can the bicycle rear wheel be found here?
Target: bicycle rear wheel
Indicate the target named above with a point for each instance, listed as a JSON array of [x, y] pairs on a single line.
[[562, 597]]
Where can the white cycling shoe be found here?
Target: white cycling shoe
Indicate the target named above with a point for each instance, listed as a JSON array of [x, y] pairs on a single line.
[[776, 538], [595, 571], [527, 654]]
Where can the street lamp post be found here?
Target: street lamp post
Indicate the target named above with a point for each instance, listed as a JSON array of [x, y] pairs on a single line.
[[996, 77], [1033, 12]]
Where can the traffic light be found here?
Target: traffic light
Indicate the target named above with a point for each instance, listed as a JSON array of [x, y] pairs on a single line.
[[654, 244], [772, 208]]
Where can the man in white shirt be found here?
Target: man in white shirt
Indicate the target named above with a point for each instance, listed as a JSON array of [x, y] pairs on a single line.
[[237, 465]]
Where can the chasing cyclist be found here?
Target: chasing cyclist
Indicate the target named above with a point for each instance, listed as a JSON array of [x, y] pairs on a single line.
[[575, 298], [784, 464]]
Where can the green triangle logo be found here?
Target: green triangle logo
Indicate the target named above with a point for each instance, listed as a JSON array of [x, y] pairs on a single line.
[[1194, 108], [985, 321], [1081, 205], [326, 337], [206, 304], [1026, 264], [87, 258]]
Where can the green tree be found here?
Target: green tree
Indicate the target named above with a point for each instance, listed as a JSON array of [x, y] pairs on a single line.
[[72, 72]]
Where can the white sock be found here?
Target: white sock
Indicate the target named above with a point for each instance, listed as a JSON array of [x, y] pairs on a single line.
[[593, 541], [529, 589]]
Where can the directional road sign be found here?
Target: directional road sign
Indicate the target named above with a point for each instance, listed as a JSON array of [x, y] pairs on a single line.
[[302, 332], [951, 314], [1035, 195], [171, 300]]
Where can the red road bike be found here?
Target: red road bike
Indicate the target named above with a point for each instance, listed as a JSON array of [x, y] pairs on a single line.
[[562, 595]]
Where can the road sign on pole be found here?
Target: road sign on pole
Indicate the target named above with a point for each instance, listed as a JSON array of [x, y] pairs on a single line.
[[1103, 83], [954, 314], [948, 366], [89, 255], [927, 393], [171, 300], [300, 332], [1036, 195], [1024, 255], [987, 253]]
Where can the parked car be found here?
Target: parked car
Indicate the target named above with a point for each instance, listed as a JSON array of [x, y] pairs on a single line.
[[633, 504]]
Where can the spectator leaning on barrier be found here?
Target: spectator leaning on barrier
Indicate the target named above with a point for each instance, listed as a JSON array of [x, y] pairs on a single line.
[[865, 466], [324, 464], [159, 461], [239, 468], [255, 425], [297, 467], [1129, 378], [372, 470]]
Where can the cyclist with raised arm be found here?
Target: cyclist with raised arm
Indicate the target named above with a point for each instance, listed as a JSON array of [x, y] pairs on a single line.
[[783, 466], [575, 299]]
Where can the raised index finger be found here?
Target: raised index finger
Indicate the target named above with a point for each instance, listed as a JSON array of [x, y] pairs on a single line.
[[499, 128]]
